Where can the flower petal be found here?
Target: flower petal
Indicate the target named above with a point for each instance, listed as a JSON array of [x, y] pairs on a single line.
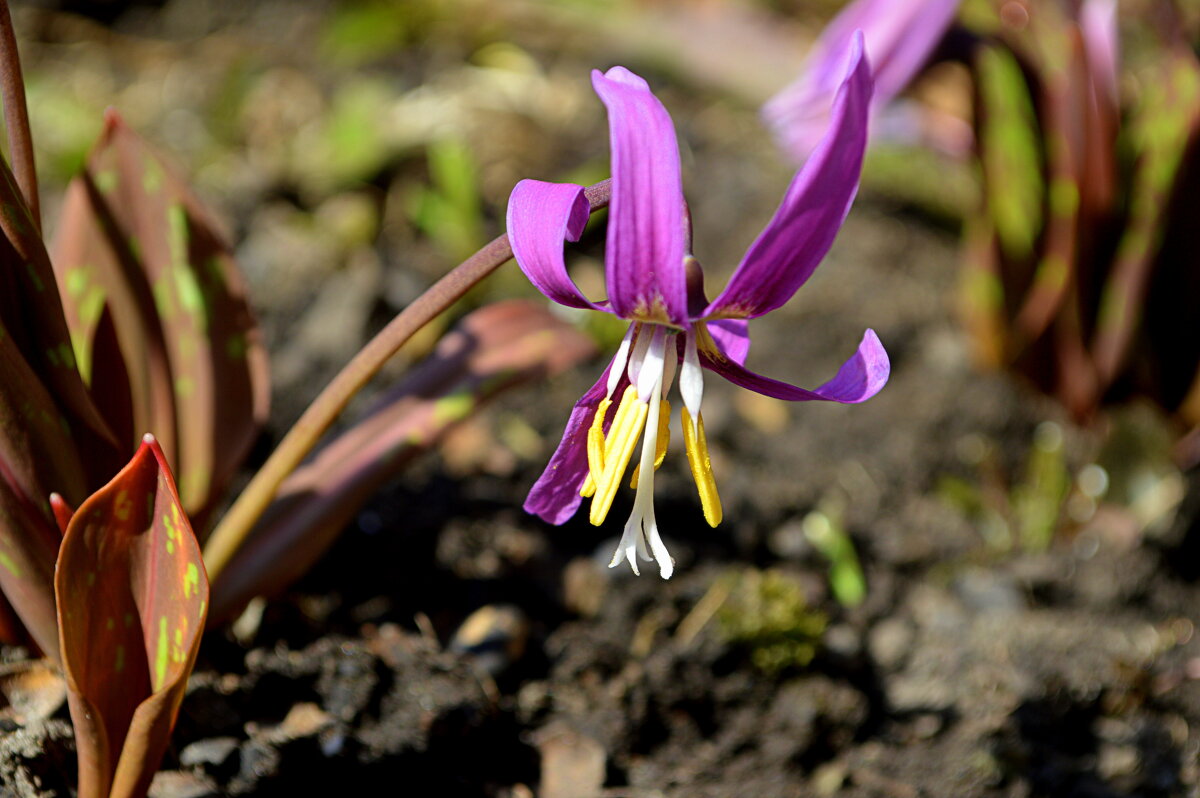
[[541, 216], [645, 247], [555, 496], [859, 378], [787, 252], [732, 337], [900, 37]]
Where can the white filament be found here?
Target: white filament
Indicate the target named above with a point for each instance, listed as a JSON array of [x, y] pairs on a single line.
[[670, 365], [640, 347], [650, 374], [618, 364], [641, 538], [691, 377]]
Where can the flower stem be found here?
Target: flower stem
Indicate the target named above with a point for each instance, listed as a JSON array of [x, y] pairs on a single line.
[[16, 116], [235, 526]]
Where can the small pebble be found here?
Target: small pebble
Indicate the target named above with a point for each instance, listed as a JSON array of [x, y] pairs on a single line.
[[213, 754], [843, 640], [182, 784], [1116, 760], [493, 637], [889, 642]]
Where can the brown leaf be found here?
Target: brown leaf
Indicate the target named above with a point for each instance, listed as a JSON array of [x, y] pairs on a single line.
[[159, 314], [132, 600], [495, 348]]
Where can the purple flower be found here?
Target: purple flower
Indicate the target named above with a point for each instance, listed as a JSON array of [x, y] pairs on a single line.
[[654, 282], [900, 36]]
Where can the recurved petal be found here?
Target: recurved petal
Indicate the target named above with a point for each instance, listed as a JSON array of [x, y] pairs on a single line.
[[859, 378], [787, 252], [541, 216], [555, 496], [645, 247], [900, 37]]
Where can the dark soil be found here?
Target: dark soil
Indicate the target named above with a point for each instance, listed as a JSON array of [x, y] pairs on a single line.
[[1071, 672]]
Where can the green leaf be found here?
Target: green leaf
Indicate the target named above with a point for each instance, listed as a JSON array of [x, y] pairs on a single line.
[[493, 349], [132, 600]]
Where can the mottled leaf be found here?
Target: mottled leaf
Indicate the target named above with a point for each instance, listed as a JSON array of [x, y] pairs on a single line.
[[37, 456], [1010, 152], [1162, 125], [51, 436], [132, 599], [33, 327], [1064, 101], [495, 348], [981, 292], [158, 314]]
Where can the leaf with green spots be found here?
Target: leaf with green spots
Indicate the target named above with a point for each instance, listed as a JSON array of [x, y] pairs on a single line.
[[37, 457], [159, 316], [1064, 102], [1010, 152], [495, 348], [981, 292], [1161, 127], [132, 601], [39, 361]]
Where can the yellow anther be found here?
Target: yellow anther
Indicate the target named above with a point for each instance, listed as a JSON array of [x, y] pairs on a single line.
[[618, 448], [697, 455], [595, 449], [660, 445]]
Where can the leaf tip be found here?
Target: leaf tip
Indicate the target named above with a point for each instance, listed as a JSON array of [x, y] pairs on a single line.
[[112, 119], [62, 511]]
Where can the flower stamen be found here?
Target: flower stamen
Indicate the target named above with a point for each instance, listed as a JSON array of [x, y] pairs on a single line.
[[618, 449], [701, 465], [691, 375], [595, 449]]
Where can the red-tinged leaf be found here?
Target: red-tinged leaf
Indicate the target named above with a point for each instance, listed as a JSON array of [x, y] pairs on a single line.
[[132, 600], [31, 318], [1010, 152], [37, 456], [1064, 104], [62, 511], [138, 252], [1163, 125], [12, 631], [981, 293], [491, 350], [119, 343]]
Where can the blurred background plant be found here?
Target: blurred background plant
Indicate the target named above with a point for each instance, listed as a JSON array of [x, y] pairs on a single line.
[[1080, 262], [1079, 265]]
